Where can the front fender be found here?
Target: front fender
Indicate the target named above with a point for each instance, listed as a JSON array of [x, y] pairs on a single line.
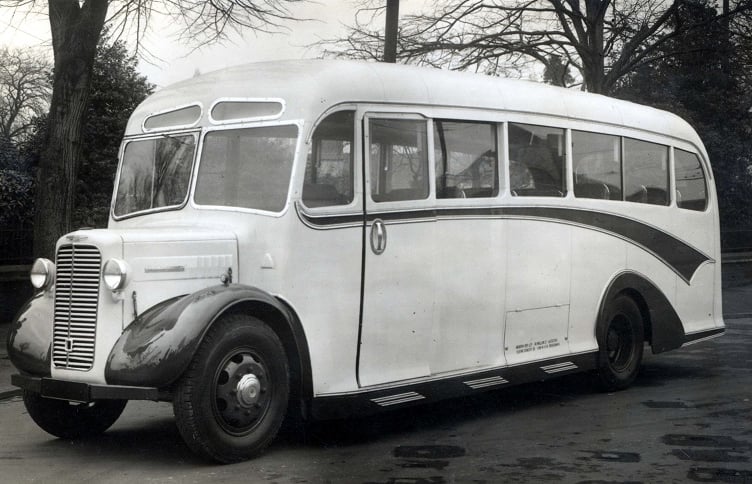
[[156, 348], [30, 336]]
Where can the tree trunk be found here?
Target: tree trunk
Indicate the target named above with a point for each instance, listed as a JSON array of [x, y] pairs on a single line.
[[594, 62], [391, 31], [75, 28]]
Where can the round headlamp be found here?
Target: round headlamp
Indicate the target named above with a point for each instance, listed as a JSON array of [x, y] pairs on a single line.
[[42, 274], [115, 274]]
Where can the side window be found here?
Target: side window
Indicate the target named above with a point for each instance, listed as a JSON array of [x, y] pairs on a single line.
[[466, 159], [247, 167], [691, 191], [329, 168], [536, 161], [398, 159], [596, 159], [645, 172]]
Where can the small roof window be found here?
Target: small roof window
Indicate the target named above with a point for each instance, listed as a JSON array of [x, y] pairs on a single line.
[[182, 117], [236, 110]]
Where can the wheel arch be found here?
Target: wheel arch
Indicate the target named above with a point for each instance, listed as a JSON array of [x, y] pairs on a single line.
[[157, 347], [283, 320], [661, 324]]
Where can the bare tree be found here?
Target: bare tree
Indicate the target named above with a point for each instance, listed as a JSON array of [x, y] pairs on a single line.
[[76, 26], [24, 91], [602, 40]]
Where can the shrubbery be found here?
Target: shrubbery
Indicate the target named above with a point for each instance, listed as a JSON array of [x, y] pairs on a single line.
[[16, 198]]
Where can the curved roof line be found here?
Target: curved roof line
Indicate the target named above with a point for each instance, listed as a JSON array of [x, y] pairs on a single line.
[[308, 85]]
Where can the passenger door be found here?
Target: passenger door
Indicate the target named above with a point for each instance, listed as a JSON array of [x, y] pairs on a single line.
[[398, 280], [538, 249]]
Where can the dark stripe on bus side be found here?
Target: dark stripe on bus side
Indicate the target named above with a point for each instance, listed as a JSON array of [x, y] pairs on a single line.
[[676, 254], [681, 257]]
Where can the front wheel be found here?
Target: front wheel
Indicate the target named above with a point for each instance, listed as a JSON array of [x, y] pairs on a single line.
[[71, 420], [232, 400], [621, 344]]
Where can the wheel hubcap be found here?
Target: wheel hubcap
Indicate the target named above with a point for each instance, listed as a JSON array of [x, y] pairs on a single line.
[[248, 390], [241, 392]]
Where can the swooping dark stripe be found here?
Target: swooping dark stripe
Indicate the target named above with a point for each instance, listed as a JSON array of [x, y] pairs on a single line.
[[679, 256]]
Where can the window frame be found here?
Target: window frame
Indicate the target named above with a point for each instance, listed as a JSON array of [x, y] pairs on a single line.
[[198, 138], [669, 177], [356, 160], [298, 123], [705, 177], [620, 161], [367, 116], [494, 126], [566, 158]]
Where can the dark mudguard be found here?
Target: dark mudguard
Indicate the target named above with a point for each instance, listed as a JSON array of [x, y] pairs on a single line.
[[666, 331], [156, 348], [30, 337]]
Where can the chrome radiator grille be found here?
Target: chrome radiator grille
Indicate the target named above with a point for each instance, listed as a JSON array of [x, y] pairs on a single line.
[[76, 299]]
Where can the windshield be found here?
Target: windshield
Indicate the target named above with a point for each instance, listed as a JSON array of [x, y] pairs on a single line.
[[155, 173], [248, 167]]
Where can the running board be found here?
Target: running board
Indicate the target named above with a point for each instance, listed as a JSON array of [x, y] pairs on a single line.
[[368, 401]]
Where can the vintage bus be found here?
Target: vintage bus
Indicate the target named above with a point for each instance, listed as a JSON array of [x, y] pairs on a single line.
[[330, 238]]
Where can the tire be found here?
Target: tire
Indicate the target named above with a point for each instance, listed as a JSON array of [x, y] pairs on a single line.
[[232, 399], [70, 420], [620, 345]]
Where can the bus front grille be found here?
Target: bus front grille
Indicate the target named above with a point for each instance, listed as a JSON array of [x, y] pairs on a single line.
[[76, 301]]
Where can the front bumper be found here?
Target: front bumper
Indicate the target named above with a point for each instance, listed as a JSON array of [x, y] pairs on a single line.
[[82, 392]]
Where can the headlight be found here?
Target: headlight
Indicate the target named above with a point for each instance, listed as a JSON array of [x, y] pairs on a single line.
[[42, 274], [115, 274]]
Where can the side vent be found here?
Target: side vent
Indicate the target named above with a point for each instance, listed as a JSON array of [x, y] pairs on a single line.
[[397, 399], [486, 382], [559, 367]]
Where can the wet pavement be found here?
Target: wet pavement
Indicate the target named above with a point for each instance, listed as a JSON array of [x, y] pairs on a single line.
[[688, 418]]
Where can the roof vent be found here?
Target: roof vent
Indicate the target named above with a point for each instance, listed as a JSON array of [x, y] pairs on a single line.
[[238, 110], [182, 117]]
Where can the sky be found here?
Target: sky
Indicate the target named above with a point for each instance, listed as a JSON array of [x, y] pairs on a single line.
[[166, 60]]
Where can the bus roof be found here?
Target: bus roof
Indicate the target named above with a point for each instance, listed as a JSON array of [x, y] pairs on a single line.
[[312, 86]]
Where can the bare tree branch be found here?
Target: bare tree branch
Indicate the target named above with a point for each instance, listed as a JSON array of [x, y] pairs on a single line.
[[603, 40], [76, 26], [24, 91]]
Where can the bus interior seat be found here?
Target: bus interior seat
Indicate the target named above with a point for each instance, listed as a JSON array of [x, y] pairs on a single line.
[[656, 196], [451, 192], [321, 195], [399, 194], [538, 192], [592, 190], [639, 196], [480, 193]]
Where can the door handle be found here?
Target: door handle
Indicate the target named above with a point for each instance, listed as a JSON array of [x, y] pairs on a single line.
[[378, 236]]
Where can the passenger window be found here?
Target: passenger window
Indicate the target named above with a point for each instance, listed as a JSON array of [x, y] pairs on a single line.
[[645, 172], [248, 168], [398, 159], [597, 165], [536, 161], [329, 169], [466, 159], [691, 191]]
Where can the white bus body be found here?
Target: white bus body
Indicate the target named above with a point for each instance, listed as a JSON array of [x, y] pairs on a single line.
[[389, 234]]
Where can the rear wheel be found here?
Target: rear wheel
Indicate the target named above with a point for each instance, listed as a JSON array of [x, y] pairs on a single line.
[[231, 401], [71, 420], [621, 344]]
